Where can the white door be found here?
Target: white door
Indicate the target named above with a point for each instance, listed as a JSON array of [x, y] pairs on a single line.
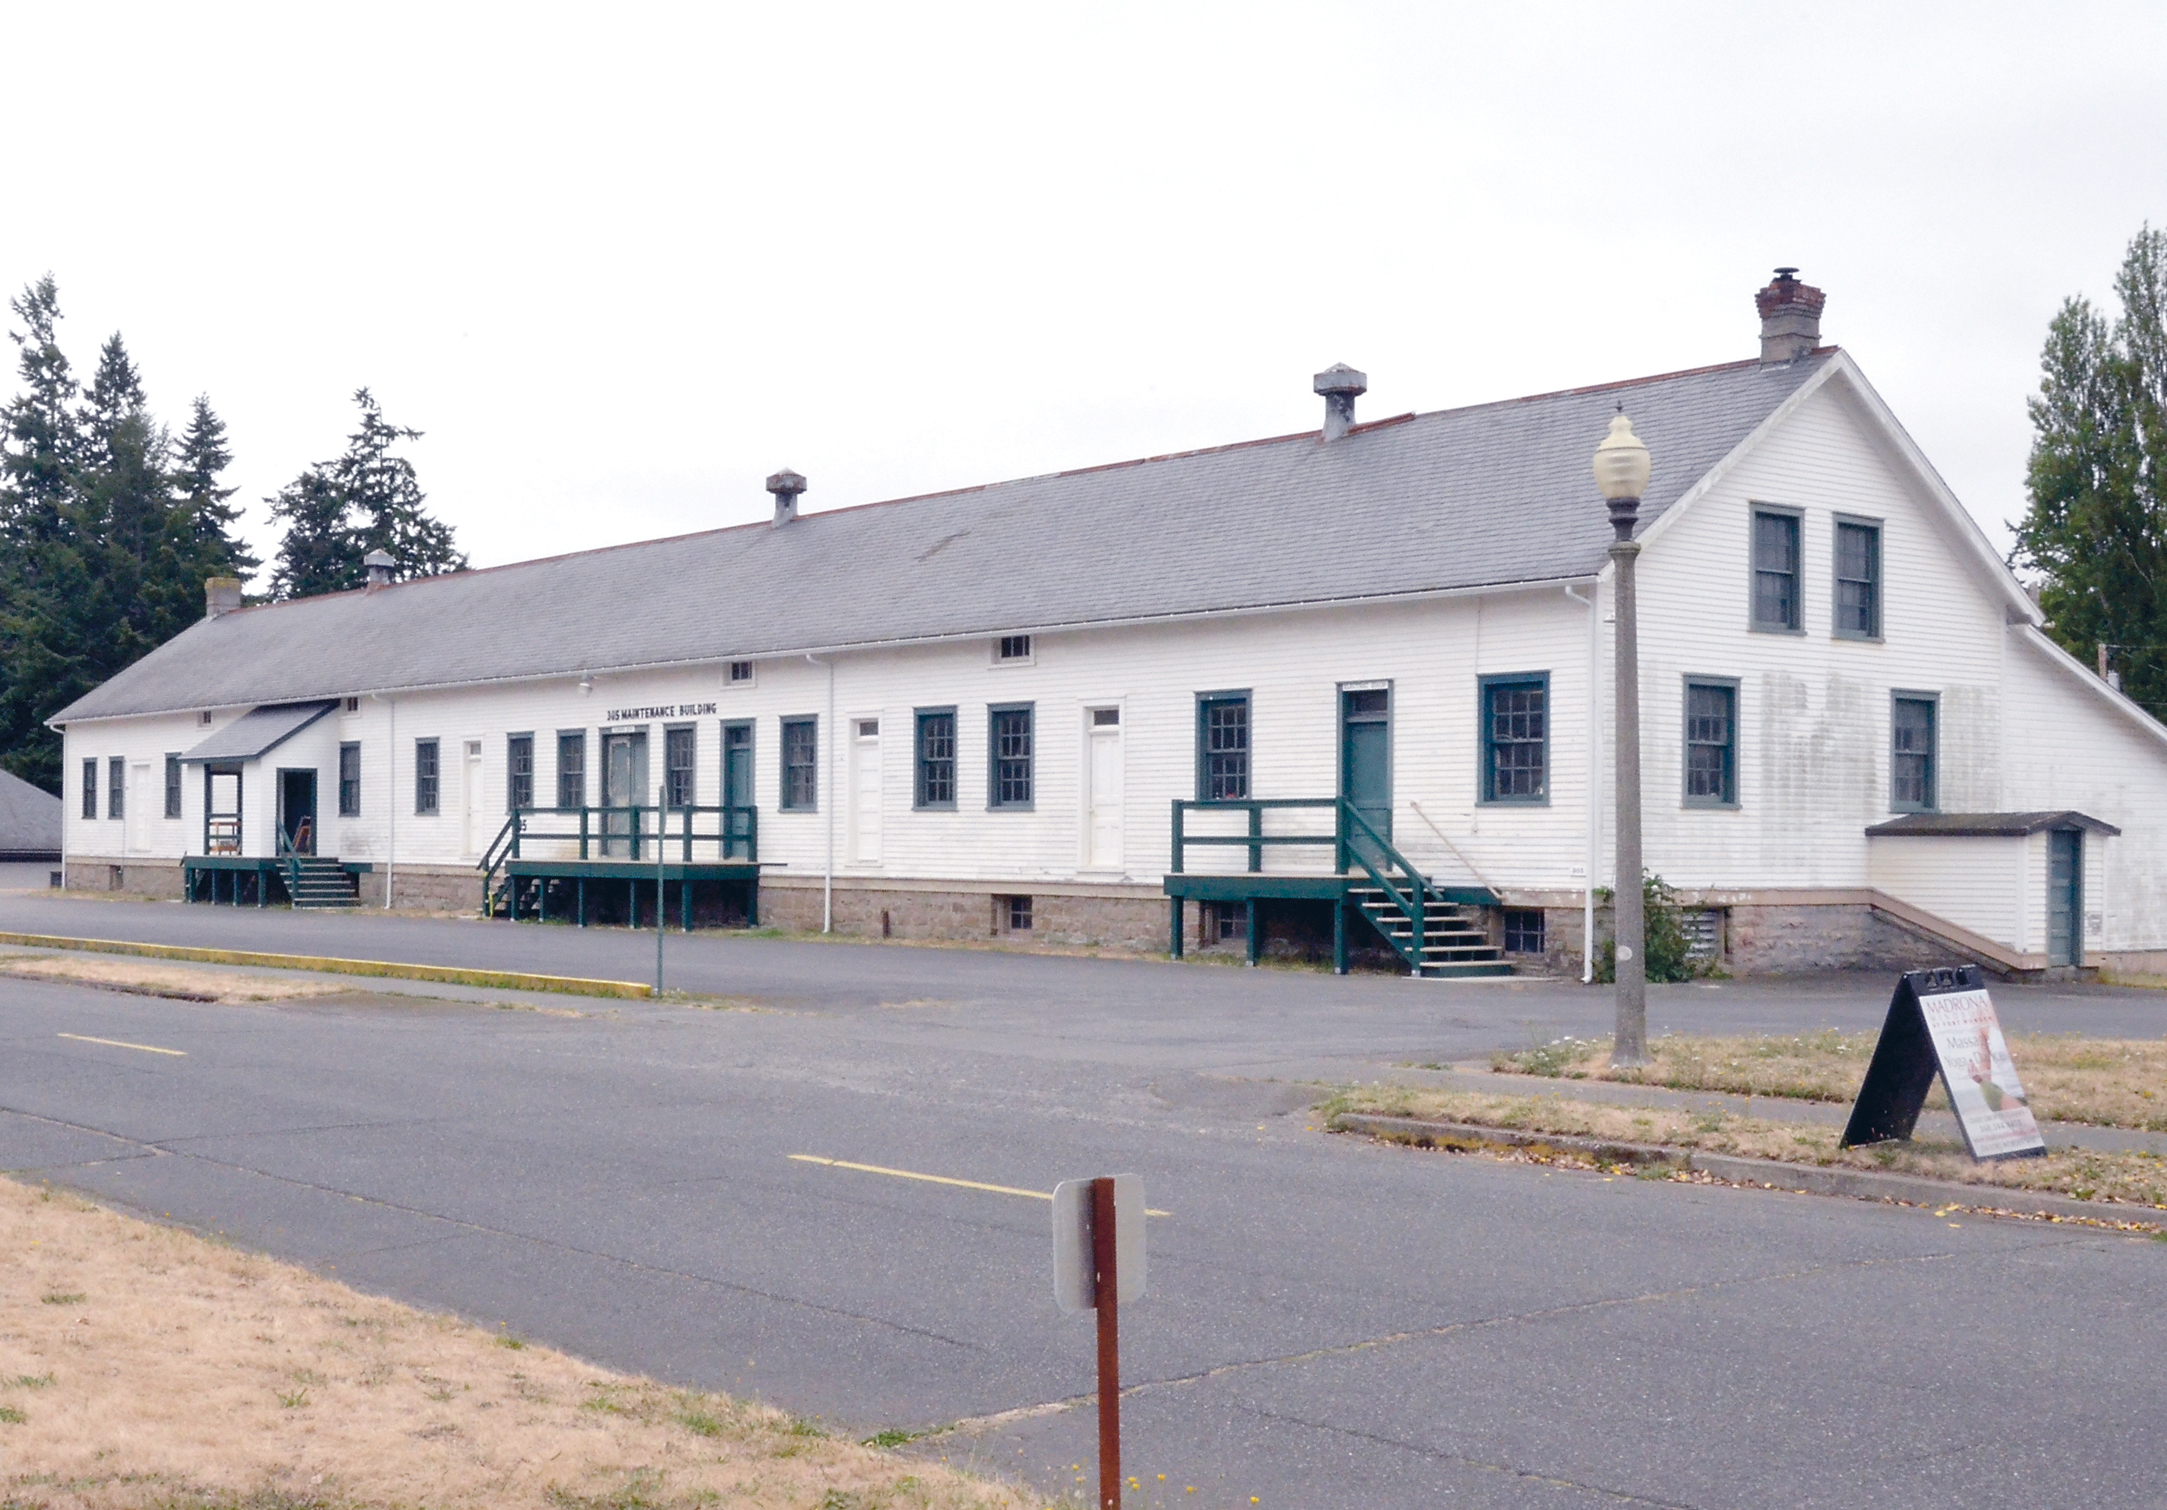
[[139, 800], [865, 791], [470, 797], [1103, 841]]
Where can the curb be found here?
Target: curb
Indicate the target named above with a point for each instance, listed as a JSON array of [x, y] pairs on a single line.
[[451, 975], [1770, 1174]]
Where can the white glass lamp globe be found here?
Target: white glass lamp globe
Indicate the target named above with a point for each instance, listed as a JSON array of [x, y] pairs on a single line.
[[1621, 462]]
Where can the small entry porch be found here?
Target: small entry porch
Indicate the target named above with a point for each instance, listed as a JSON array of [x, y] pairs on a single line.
[[629, 865], [1425, 923]]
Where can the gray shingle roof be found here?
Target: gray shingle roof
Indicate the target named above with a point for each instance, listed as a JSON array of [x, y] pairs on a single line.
[[1493, 494], [29, 820], [258, 731]]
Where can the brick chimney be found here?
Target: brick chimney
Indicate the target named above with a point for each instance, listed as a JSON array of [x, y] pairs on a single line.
[[1790, 317], [221, 595], [786, 485]]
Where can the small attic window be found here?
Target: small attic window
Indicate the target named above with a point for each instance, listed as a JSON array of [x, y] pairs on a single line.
[[741, 673], [1014, 648], [353, 705], [204, 718]]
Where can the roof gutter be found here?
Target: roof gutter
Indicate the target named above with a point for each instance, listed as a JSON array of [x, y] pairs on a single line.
[[1144, 621]]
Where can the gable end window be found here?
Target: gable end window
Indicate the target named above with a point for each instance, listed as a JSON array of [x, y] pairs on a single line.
[[1858, 580], [173, 786], [1913, 758], [1775, 570], [519, 771], [90, 789], [801, 765], [425, 777], [1222, 747], [349, 780], [1008, 735], [1711, 743], [935, 785], [572, 768], [680, 751], [1516, 738], [116, 786]]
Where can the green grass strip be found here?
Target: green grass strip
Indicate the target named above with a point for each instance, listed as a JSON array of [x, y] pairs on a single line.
[[502, 980]]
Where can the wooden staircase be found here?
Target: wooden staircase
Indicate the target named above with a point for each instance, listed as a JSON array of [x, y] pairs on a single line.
[[314, 881], [1454, 946]]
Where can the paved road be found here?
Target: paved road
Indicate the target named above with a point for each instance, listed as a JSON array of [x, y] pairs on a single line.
[[1333, 1323]]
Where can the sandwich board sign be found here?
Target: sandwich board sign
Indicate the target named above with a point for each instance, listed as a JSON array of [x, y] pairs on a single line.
[[1942, 1022]]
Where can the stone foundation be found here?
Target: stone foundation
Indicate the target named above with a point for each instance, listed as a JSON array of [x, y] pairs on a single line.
[[1067, 916], [422, 888], [137, 877]]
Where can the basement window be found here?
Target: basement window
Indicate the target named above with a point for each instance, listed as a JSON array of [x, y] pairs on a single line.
[[1229, 920], [1016, 913], [1523, 930]]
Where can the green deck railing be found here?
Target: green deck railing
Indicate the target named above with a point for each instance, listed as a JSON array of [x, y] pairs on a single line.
[[630, 833]]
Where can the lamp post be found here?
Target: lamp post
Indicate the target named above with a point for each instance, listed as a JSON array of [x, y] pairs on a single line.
[[1621, 472]]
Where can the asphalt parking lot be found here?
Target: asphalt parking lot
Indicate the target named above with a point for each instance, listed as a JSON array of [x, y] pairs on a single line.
[[1332, 1323]]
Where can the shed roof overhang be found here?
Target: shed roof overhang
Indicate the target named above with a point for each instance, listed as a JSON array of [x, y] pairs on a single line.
[[1985, 825], [258, 732]]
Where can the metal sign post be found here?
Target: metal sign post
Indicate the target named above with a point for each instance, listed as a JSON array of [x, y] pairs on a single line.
[[662, 824], [1098, 1265]]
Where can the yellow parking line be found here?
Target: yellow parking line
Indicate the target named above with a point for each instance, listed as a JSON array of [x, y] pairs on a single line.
[[115, 1043], [934, 1179]]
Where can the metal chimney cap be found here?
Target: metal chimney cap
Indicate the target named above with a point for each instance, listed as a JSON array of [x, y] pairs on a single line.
[[1340, 378], [786, 483], [379, 558]]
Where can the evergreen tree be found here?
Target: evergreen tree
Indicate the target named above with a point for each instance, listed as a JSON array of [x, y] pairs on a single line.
[[2095, 534], [200, 538], [40, 439], [367, 499]]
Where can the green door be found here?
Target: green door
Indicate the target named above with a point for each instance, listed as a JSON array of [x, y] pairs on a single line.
[[2065, 897], [1365, 764], [737, 790]]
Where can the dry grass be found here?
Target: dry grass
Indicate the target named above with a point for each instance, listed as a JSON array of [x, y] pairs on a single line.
[[155, 977], [143, 1368], [2137, 1178], [2108, 1082]]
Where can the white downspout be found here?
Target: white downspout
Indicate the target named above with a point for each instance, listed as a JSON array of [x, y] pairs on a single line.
[[1595, 788], [65, 820], [391, 790], [828, 796]]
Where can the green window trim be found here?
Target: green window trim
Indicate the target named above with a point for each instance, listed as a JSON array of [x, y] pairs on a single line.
[[350, 779], [90, 787], [1514, 744], [933, 760], [116, 786], [1011, 757], [571, 769], [428, 785], [173, 786], [1914, 752], [801, 765], [681, 764], [518, 772], [1709, 742], [1857, 577], [1775, 569], [1224, 741]]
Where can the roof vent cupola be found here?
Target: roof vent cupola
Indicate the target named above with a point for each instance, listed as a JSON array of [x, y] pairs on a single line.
[[221, 595], [786, 485], [380, 566], [1790, 317], [1341, 385]]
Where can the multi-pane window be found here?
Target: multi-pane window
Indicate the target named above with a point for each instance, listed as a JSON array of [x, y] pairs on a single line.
[[1523, 931], [1858, 580], [425, 776], [1516, 740], [519, 772], [801, 765], [90, 789], [349, 781], [1229, 920], [1911, 754], [936, 785], [679, 752], [1019, 914], [173, 786], [741, 673], [1015, 647], [1711, 743], [1009, 773], [1775, 570], [1222, 749], [572, 768], [116, 786]]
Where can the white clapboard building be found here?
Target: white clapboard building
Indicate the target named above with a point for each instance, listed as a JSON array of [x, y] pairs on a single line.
[[1343, 688]]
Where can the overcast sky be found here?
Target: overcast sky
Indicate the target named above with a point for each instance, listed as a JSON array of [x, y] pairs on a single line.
[[620, 262]]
